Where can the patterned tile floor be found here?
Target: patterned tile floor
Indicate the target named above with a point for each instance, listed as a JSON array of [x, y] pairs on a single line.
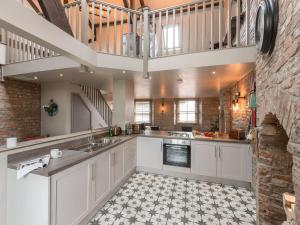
[[148, 199]]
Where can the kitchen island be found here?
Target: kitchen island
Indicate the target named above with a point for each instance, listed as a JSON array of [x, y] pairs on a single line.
[[74, 187]]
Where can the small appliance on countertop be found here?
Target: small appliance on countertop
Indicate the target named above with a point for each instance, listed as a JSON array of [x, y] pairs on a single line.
[[138, 128], [128, 129], [115, 131], [238, 134]]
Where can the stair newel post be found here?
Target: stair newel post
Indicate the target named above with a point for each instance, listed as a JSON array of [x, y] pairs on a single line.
[[146, 42], [84, 21]]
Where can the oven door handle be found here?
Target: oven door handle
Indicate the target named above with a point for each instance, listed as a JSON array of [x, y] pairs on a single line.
[[176, 146]]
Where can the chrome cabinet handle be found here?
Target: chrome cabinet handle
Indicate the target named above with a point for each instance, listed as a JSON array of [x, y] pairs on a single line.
[[93, 172], [219, 152]]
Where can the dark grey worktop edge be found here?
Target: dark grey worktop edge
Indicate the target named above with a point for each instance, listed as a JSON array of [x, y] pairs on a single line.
[[83, 156], [80, 157]]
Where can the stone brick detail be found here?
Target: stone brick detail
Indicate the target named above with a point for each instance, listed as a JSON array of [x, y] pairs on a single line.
[[230, 120], [20, 109], [278, 92], [274, 172]]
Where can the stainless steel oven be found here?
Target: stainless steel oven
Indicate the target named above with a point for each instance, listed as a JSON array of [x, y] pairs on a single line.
[[177, 152]]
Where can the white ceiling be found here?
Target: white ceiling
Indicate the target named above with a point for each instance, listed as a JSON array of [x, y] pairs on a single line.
[[197, 82]]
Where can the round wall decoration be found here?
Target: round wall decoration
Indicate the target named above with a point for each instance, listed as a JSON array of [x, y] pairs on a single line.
[[266, 25]]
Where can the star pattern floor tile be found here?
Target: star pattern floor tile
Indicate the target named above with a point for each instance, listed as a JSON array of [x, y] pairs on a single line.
[[149, 199]]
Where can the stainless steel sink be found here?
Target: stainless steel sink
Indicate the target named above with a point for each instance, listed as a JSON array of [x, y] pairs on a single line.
[[98, 144]]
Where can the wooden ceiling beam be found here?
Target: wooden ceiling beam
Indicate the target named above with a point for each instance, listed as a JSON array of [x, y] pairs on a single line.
[[142, 2], [126, 5], [33, 5]]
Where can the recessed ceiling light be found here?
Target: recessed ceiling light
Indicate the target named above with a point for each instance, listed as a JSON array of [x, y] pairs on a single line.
[[213, 72], [61, 75], [179, 80], [35, 77], [124, 71]]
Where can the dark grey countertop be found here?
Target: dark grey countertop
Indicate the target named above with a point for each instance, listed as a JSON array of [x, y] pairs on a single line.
[[164, 134], [69, 158], [72, 157]]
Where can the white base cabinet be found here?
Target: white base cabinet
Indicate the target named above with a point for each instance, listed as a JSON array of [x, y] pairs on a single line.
[[117, 166], [203, 158], [70, 191], [223, 160], [100, 178], [130, 152], [68, 197], [150, 152]]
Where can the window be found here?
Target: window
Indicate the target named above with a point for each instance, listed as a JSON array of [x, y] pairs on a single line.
[[171, 41], [142, 111], [187, 110]]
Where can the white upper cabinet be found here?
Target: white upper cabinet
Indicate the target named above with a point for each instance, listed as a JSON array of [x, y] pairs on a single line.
[[150, 152], [204, 158]]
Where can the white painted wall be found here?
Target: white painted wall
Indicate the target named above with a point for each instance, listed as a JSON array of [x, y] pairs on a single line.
[[2, 54], [61, 93], [123, 102], [61, 122], [3, 187]]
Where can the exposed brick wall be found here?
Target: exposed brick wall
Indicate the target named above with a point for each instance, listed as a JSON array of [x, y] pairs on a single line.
[[20, 109], [230, 120], [240, 119], [278, 93], [208, 114]]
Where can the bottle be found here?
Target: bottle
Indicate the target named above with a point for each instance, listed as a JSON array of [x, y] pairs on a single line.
[[110, 132]]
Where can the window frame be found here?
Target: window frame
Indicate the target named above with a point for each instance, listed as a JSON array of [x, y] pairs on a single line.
[[165, 29], [150, 111], [177, 112]]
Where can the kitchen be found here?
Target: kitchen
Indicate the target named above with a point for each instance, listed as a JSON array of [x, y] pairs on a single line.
[[96, 165]]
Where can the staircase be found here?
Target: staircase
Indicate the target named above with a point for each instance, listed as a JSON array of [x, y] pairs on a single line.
[[96, 97]]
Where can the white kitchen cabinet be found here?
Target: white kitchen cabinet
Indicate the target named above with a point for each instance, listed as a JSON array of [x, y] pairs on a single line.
[[232, 161], [223, 160], [70, 195], [204, 158], [129, 156], [248, 174], [100, 178], [150, 152], [117, 165]]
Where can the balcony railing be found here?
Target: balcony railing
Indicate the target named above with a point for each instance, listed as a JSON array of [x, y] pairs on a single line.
[[199, 26], [19, 49], [106, 27], [203, 25]]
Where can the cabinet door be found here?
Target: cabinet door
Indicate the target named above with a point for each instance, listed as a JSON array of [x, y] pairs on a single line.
[[232, 164], [150, 152], [117, 165], [204, 158], [70, 195], [248, 176], [100, 177], [129, 156]]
